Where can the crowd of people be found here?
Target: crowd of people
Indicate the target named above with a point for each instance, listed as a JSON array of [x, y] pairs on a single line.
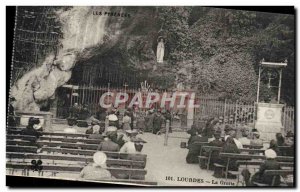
[[232, 140]]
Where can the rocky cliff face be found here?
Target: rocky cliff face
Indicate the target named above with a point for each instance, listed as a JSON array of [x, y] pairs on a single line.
[[206, 49]]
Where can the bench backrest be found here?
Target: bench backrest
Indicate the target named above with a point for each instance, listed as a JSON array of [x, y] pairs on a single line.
[[68, 168], [90, 152], [73, 158], [71, 145], [19, 132], [249, 156], [258, 163], [23, 149]]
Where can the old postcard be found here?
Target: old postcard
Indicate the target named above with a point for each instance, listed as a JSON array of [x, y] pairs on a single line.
[[152, 96]]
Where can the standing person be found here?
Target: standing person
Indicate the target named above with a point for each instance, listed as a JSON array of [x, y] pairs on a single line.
[[158, 121], [96, 170], [126, 122], [168, 116], [149, 121], [140, 122]]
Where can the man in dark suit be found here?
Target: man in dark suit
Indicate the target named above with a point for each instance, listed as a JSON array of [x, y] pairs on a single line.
[[194, 148], [215, 154], [108, 145]]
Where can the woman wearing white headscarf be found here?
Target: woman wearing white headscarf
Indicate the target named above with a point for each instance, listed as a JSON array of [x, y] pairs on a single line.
[[96, 170]]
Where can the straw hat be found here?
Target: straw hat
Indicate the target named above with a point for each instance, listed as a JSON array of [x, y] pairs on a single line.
[[99, 158], [270, 154]]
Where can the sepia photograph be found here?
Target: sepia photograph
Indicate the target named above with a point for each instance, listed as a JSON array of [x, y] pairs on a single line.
[[159, 96]]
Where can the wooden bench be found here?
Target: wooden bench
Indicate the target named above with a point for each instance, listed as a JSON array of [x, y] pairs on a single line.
[[74, 158], [74, 135], [116, 172], [258, 163], [253, 151], [273, 174], [23, 149], [22, 137], [68, 145], [20, 143], [237, 156], [56, 138], [70, 140], [89, 152], [210, 150], [253, 146]]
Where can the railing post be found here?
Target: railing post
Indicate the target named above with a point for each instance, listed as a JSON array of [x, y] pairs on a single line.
[[167, 132]]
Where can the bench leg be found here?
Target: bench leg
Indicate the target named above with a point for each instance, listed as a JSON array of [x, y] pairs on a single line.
[[227, 167]]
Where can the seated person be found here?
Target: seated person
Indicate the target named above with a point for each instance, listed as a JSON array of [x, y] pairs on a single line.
[[244, 139], [233, 134], [227, 130], [94, 122], [129, 147], [108, 144], [96, 133], [194, 149], [96, 170], [31, 128], [289, 141], [280, 139], [256, 141], [269, 164], [230, 147], [215, 154], [274, 146]]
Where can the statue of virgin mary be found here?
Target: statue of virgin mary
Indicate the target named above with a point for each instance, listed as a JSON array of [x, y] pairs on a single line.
[[160, 50]]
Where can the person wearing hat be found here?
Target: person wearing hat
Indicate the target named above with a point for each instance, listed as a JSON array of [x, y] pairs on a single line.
[[96, 170], [113, 120], [244, 139], [107, 144], [269, 164], [256, 141]]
